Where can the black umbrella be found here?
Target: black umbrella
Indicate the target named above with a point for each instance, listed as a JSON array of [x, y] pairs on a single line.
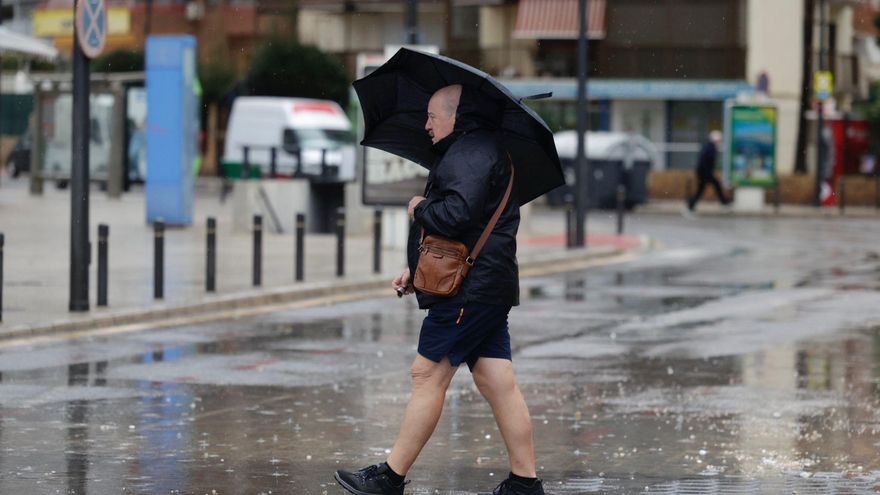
[[394, 99]]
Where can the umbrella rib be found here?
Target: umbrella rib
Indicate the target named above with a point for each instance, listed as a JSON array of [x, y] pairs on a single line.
[[434, 65]]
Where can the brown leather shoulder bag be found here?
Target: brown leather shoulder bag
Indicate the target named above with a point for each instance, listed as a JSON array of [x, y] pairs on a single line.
[[444, 263]]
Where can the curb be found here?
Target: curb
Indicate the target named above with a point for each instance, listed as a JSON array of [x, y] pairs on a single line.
[[223, 306], [825, 213]]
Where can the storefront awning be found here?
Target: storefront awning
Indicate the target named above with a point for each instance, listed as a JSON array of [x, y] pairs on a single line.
[[632, 89], [27, 45], [558, 19]]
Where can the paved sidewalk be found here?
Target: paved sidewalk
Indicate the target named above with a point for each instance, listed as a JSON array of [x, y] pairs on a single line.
[[36, 264]]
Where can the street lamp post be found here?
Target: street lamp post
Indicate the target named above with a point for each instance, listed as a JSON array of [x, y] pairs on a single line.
[[581, 164], [412, 22], [79, 180]]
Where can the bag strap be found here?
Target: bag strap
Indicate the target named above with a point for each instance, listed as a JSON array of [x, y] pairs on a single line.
[[492, 222], [495, 217]]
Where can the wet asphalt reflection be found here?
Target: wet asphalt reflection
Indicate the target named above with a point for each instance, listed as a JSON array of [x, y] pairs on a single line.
[[736, 367]]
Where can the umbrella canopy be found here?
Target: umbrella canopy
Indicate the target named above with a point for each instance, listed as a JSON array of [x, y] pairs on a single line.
[[11, 41], [394, 99]]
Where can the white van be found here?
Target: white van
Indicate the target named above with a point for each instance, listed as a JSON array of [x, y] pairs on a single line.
[[318, 131]]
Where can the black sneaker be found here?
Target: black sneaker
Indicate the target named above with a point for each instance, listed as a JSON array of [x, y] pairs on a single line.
[[511, 487], [370, 480]]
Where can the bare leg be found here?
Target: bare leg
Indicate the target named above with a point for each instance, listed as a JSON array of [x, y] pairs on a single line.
[[495, 380], [429, 383]]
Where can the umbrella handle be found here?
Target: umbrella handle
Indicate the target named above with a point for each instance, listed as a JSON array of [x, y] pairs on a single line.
[[539, 96]]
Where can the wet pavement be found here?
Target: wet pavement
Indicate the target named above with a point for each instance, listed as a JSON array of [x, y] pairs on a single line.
[[743, 357]]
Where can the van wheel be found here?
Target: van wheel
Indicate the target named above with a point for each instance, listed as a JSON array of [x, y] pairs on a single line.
[[61, 184]]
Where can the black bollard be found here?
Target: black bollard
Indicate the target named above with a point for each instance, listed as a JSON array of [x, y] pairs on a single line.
[[273, 162], [1, 277], [300, 247], [569, 227], [621, 207], [377, 241], [258, 251], [158, 259], [103, 247], [246, 163], [340, 242], [211, 258], [877, 191], [841, 195]]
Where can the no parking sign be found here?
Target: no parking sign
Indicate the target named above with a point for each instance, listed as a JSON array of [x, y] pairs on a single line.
[[91, 26]]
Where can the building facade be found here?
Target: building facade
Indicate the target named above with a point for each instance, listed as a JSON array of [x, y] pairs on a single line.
[[660, 68]]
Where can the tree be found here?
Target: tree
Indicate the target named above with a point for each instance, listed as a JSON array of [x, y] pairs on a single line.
[[119, 61], [217, 80], [283, 67]]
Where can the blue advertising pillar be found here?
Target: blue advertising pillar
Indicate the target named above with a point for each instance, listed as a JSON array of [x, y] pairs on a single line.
[[172, 128]]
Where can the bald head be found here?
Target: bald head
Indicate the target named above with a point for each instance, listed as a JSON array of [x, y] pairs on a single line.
[[441, 112]]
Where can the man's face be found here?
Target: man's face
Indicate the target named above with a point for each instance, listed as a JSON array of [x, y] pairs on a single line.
[[441, 121]]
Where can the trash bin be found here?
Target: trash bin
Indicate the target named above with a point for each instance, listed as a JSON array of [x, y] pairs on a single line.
[[614, 158]]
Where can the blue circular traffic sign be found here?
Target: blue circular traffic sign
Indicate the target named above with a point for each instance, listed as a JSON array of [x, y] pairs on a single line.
[[91, 26]]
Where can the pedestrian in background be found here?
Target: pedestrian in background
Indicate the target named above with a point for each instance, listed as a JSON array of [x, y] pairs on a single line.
[[705, 170], [465, 187]]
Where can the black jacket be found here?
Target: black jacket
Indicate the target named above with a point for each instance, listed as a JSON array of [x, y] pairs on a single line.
[[707, 160], [465, 187]]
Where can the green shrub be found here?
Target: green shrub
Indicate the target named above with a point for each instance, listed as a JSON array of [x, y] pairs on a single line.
[[283, 67]]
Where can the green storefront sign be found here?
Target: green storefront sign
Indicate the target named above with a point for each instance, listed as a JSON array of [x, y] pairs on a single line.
[[750, 144]]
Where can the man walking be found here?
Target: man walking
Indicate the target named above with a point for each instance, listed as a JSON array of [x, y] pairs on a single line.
[[706, 172], [465, 187]]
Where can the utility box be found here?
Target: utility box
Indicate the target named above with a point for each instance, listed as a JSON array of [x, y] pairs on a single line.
[[172, 128]]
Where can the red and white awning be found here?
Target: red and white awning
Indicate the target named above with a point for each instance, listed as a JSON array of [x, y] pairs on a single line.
[[558, 19]]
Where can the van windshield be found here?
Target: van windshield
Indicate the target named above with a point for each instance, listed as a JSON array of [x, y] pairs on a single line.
[[318, 138]]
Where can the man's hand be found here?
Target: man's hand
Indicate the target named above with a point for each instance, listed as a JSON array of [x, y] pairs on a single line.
[[412, 205], [402, 281]]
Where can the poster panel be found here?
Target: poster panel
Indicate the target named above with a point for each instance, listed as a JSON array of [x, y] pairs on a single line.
[[751, 145]]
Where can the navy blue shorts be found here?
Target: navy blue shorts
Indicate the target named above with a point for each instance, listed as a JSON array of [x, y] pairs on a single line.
[[479, 331]]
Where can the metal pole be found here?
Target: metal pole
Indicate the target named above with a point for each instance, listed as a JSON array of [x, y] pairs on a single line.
[[273, 165], [1, 76], [300, 245], [258, 251], [246, 163], [412, 22], [37, 143], [103, 248], [777, 195], [377, 241], [621, 206], [877, 190], [340, 242], [2, 241], [158, 259], [79, 181], [820, 122], [211, 258], [581, 172], [569, 226]]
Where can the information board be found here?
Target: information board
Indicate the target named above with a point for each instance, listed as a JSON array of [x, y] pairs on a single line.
[[750, 144]]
